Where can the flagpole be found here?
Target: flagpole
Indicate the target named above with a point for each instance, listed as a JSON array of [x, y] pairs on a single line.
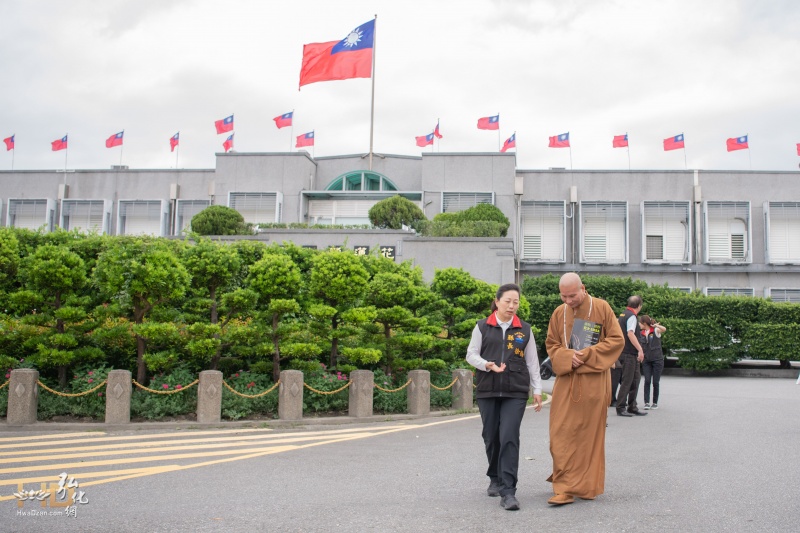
[[66, 152], [628, 146], [372, 104], [685, 164], [749, 157], [570, 157], [499, 138], [121, 146], [314, 150], [13, 152], [177, 150], [291, 132], [439, 141]]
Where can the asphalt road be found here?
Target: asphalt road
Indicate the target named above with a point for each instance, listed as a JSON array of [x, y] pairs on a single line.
[[721, 454]]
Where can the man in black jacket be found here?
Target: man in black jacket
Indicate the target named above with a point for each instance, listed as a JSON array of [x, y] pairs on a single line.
[[632, 356]]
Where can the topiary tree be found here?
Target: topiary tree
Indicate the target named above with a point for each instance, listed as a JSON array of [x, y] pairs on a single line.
[[396, 212], [484, 213], [220, 220]]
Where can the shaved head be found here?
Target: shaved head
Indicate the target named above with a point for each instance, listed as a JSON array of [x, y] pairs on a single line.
[[570, 279], [572, 290]]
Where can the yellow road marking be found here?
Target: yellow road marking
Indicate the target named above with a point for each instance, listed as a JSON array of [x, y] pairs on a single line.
[[40, 437], [59, 436]]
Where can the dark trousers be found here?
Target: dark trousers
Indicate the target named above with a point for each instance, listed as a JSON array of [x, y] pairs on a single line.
[[652, 370], [501, 420], [616, 376], [629, 384]]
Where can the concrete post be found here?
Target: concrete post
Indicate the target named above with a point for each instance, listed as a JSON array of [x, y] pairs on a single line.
[[118, 397], [290, 395], [362, 383], [419, 392], [209, 397], [462, 389], [23, 397]]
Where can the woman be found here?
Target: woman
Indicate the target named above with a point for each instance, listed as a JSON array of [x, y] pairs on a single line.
[[653, 363], [503, 350]]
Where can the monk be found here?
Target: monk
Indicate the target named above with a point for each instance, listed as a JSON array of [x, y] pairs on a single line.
[[581, 393]]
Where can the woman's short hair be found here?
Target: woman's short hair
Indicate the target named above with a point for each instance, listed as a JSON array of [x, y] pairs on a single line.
[[504, 289]]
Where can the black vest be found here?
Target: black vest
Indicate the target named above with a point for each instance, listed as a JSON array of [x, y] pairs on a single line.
[[653, 351], [515, 381], [623, 324]]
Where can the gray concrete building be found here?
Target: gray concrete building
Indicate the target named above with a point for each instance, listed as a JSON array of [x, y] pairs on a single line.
[[732, 232]]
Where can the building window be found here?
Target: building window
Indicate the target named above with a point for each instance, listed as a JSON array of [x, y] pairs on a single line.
[[92, 216], [361, 181], [784, 295], [783, 232], [665, 226], [257, 207], [31, 213], [727, 232], [729, 291], [453, 202], [341, 212], [543, 226], [142, 217], [604, 232], [185, 210]]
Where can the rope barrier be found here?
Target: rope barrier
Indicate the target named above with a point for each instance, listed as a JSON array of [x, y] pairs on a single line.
[[264, 393], [444, 388], [4, 384], [406, 384], [189, 386], [312, 389], [67, 394]]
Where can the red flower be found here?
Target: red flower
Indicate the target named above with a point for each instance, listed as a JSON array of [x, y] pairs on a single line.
[[90, 380], [251, 384], [9, 375], [165, 386], [99, 393], [236, 375], [91, 373], [178, 386]]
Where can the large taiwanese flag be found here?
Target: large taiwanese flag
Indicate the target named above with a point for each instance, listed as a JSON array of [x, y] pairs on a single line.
[[674, 143], [306, 139], [9, 143], [489, 123], [424, 140], [224, 125], [559, 141], [737, 143], [340, 60], [59, 144], [115, 140]]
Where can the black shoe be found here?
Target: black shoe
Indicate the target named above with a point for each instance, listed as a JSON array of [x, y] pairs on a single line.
[[623, 413], [613, 403], [509, 502], [494, 489], [637, 413]]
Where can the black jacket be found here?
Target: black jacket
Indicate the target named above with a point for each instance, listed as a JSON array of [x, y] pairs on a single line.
[[515, 382]]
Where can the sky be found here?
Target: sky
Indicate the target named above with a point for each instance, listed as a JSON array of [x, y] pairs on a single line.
[[710, 69]]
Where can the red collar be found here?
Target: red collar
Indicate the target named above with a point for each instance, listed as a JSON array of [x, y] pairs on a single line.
[[632, 310], [515, 321]]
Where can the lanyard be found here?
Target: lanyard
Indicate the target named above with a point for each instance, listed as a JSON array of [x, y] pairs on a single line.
[[566, 343]]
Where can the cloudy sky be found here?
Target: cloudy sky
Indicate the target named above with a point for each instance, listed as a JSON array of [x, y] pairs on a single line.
[[710, 69]]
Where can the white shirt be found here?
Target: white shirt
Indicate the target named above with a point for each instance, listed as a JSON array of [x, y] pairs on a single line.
[[531, 357]]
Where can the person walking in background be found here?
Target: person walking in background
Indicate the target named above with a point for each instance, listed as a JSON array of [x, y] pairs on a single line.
[[632, 355], [653, 364], [581, 392], [503, 349]]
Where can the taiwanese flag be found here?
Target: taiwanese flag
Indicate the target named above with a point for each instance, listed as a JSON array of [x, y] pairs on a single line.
[[673, 143], [489, 123], [559, 141], [9, 143], [424, 140], [737, 143], [339, 60], [620, 141], [284, 120], [60, 144], [115, 140], [436, 131], [225, 125], [511, 142], [306, 139], [174, 141], [798, 148], [228, 144]]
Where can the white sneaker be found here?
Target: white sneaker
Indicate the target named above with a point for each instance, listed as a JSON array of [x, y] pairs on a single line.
[[655, 406], [647, 407]]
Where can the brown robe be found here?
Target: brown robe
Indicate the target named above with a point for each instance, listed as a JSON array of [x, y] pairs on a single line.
[[580, 401]]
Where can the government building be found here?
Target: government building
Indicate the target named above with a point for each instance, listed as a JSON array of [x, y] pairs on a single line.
[[731, 232]]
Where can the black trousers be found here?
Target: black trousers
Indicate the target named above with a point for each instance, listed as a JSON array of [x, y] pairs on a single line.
[[501, 421], [652, 370], [616, 377], [629, 385]]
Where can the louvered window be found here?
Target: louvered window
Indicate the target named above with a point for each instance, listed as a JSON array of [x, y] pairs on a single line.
[[453, 202], [727, 231], [783, 228], [666, 231], [257, 207], [185, 210], [31, 213], [784, 295], [141, 217], [85, 215], [543, 231], [344, 212], [729, 291], [604, 232]]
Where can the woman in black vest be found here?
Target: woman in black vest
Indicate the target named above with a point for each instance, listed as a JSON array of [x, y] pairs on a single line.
[[503, 351], [653, 363]]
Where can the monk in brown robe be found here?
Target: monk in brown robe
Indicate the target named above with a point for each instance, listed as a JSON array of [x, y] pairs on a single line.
[[581, 393]]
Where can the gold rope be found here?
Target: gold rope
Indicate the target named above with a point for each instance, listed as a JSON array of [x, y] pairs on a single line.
[[69, 395], [190, 385], [406, 384], [251, 395], [445, 388], [312, 389]]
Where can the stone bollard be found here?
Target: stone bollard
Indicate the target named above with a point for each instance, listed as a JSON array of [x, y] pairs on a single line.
[[118, 397], [290, 395], [23, 397], [362, 383], [209, 397], [419, 392], [462, 389]]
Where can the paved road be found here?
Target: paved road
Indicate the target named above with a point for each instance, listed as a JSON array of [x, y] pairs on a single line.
[[722, 454]]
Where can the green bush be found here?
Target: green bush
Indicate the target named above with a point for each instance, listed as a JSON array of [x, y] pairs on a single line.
[[396, 212], [234, 407], [155, 406], [220, 220], [325, 403]]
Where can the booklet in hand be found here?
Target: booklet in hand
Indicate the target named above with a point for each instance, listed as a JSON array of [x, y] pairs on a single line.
[[584, 334]]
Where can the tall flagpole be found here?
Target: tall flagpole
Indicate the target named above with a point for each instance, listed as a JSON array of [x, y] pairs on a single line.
[[121, 146], [438, 140], [749, 157], [628, 146], [177, 150], [13, 152], [66, 152], [372, 105], [291, 132], [685, 164], [499, 138]]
